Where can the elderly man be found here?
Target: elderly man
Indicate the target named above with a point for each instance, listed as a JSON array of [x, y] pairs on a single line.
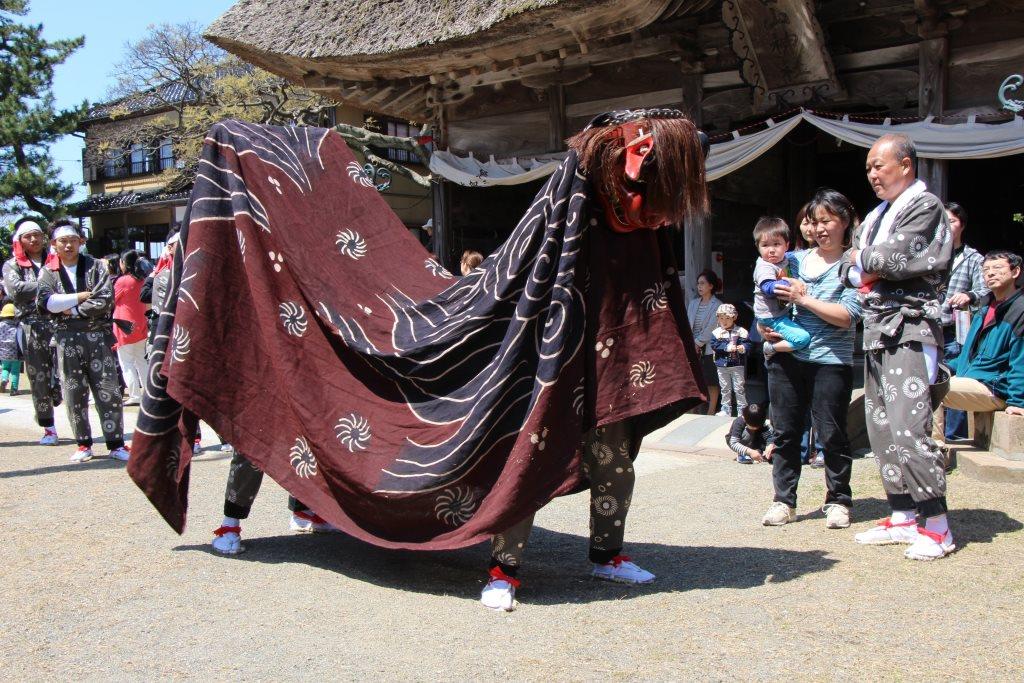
[[899, 259], [75, 290], [21, 274], [990, 369]]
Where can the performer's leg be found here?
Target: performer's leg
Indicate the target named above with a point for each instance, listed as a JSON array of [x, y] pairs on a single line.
[[39, 367], [506, 555], [244, 481], [305, 520], [608, 454], [99, 369], [75, 384]]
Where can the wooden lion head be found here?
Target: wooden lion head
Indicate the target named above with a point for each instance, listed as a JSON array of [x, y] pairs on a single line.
[[647, 166]]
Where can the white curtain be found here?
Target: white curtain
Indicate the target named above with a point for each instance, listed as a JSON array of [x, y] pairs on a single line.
[[970, 140]]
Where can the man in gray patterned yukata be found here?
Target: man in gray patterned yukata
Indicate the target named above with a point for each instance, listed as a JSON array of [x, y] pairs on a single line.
[[76, 291], [900, 256], [21, 273]]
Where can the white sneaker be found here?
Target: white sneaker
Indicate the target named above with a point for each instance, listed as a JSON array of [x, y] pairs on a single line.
[[836, 516], [226, 447], [83, 454], [49, 437], [930, 546], [887, 532], [121, 454], [622, 570], [197, 447], [500, 591], [227, 540], [778, 514]]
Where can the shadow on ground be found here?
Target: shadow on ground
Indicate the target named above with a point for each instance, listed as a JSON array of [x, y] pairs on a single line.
[[100, 462], [556, 567]]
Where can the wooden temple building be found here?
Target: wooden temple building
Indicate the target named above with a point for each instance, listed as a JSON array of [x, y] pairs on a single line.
[[515, 78]]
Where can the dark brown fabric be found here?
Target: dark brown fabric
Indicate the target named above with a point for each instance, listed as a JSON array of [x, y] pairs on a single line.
[[409, 408]]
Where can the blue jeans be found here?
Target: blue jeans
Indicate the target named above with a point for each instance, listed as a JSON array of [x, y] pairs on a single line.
[[956, 420], [798, 337]]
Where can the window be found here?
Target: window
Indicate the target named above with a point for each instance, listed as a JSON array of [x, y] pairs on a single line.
[[396, 128], [166, 154], [114, 164], [140, 160]]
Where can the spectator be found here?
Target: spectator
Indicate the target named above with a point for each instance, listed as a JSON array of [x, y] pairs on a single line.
[[900, 257], [804, 238], [130, 326], [773, 266], [818, 378], [10, 358], [730, 346], [965, 288], [700, 312], [470, 260], [750, 437], [75, 291], [990, 369], [21, 274]]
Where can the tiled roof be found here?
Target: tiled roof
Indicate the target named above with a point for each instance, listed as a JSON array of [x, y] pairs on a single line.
[[97, 203], [150, 100]]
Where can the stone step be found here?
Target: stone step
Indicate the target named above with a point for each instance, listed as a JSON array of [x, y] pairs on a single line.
[[988, 466]]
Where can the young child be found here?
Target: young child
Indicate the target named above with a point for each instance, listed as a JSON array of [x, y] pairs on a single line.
[[9, 355], [750, 437], [771, 235], [730, 345]]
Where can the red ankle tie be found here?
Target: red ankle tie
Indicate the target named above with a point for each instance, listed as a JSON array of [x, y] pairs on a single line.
[[220, 531], [887, 523], [498, 575], [619, 559], [935, 536]]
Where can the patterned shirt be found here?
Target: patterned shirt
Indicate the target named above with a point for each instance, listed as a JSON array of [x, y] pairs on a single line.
[[830, 345], [964, 276]]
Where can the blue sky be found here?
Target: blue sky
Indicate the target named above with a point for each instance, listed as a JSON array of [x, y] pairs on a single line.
[[107, 25]]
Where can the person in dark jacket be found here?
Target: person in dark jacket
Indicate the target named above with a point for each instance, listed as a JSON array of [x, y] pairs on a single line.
[[989, 372]]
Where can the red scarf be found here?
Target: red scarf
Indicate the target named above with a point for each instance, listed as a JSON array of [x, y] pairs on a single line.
[[22, 259]]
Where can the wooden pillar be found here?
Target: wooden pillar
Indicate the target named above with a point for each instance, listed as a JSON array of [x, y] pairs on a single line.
[[697, 231], [444, 235], [556, 117], [933, 75]]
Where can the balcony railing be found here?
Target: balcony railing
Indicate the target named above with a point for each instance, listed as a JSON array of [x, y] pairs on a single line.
[[128, 169]]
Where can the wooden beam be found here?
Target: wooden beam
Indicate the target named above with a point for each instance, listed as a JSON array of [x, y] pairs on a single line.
[[886, 56], [1004, 50]]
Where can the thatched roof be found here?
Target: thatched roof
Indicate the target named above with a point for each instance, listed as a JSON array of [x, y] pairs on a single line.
[[398, 38]]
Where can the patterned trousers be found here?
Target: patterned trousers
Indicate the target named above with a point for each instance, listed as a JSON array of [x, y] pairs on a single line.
[[732, 380], [86, 362], [244, 481], [39, 367], [897, 404], [608, 454]]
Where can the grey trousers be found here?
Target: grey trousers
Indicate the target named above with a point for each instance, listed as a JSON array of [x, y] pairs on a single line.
[[608, 454], [87, 363], [897, 405], [244, 481], [39, 367], [733, 383]]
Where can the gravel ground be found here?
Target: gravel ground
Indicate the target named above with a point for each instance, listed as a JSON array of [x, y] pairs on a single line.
[[97, 587]]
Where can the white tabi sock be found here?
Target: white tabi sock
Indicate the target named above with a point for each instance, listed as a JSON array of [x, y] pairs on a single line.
[[938, 524], [230, 521], [902, 516]]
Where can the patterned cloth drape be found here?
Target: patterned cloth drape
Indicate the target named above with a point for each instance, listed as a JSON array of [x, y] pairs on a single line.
[[408, 407]]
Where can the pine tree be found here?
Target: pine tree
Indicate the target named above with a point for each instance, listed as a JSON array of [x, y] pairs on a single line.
[[29, 121]]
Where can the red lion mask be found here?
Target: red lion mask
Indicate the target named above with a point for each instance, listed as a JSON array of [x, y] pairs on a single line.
[[647, 166]]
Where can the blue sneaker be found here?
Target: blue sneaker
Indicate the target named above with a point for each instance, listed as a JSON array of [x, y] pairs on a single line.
[[744, 459]]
